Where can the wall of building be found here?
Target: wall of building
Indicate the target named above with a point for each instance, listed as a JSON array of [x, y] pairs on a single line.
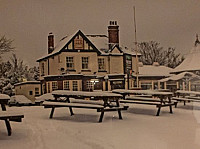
[[28, 90], [116, 65]]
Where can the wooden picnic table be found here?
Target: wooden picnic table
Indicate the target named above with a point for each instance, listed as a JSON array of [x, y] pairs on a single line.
[[6, 116], [159, 94], [107, 97], [163, 97]]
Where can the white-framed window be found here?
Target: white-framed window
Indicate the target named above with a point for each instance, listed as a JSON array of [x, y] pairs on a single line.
[[85, 61], [70, 62], [101, 64], [66, 85], [54, 85], [37, 92], [90, 85], [75, 85]]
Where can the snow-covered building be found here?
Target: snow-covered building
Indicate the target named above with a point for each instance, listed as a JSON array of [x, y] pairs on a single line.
[[191, 62], [186, 75], [29, 89], [87, 62], [149, 75]]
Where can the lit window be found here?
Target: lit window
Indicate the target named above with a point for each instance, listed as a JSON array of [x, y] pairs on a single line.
[[85, 62], [54, 86], [75, 85], [70, 62], [66, 85], [89, 85], [101, 64]]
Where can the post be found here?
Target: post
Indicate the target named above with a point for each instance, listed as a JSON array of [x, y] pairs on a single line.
[[136, 50]]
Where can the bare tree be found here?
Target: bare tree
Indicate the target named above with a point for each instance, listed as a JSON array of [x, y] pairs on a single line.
[[153, 52], [5, 44]]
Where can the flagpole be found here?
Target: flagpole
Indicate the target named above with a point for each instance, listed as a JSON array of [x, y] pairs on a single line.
[[136, 50]]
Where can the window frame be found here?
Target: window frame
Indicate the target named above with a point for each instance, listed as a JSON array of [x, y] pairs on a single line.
[[75, 85], [85, 63], [70, 63], [101, 62]]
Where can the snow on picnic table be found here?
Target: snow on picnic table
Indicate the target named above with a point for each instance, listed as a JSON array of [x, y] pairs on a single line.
[[86, 94], [4, 96], [148, 92]]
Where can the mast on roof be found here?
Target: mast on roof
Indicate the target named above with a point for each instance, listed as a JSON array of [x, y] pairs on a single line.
[[136, 50], [197, 40]]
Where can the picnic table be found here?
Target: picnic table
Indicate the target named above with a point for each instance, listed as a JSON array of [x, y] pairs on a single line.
[[187, 96], [184, 93], [160, 99], [7, 116], [100, 100]]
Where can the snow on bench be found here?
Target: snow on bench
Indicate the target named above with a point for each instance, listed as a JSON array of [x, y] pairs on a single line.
[[181, 99], [148, 101], [10, 116], [80, 103]]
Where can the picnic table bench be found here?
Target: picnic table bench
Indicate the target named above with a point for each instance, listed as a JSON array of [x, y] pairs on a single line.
[[182, 99], [102, 105], [148, 101], [8, 116]]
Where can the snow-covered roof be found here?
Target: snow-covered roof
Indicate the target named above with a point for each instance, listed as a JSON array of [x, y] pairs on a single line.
[[99, 41], [27, 82], [151, 70], [59, 46], [180, 76], [191, 62], [4, 96], [21, 99]]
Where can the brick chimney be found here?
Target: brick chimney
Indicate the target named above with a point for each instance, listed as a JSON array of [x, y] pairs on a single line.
[[50, 43], [113, 34]]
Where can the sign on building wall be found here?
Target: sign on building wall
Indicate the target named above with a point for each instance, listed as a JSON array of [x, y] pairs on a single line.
[[128, 64]]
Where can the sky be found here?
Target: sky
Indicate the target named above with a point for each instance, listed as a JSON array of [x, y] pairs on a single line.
[[172, 23]]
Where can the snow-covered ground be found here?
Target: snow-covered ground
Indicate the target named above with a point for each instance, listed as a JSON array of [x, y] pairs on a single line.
[[139, 129]]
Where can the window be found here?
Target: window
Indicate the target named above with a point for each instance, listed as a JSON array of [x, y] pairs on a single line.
[[70, 62], [30, 92], [66, 85], [101, 64], [89, 85], [75, 85], [37, 93], [42, 69], [84, 62], [54, 86], [48, 87]]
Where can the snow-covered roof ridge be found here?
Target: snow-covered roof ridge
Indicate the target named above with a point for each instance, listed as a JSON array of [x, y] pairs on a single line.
[[180, 76], [151, 70], [27, 82], [191, 62]]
